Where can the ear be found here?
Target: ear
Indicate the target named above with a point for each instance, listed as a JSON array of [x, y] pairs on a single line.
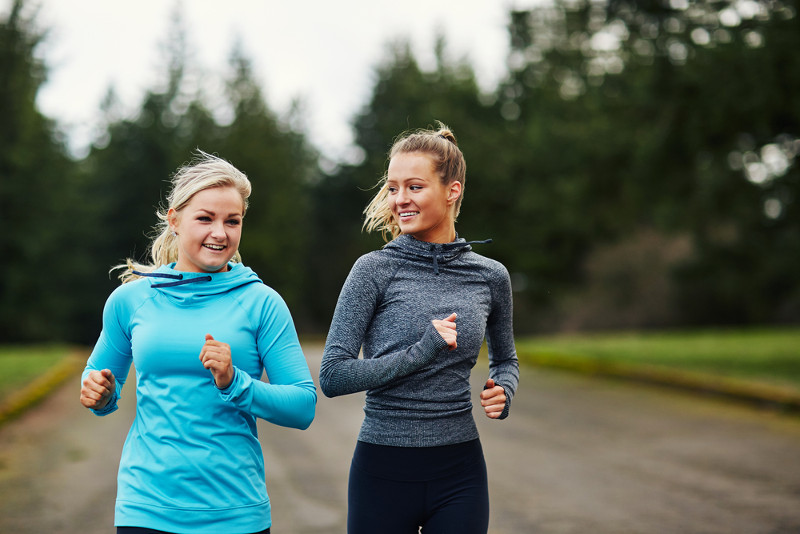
[[454, 191], [172, 219]]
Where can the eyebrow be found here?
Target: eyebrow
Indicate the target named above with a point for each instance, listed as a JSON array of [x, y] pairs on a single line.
[[235, 214], [406, 179]]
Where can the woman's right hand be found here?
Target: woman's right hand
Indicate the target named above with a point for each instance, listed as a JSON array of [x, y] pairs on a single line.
[[447, 329], [97, 388]]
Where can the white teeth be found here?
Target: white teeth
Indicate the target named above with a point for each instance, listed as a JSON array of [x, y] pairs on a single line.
[[214, 247], [408, 213]]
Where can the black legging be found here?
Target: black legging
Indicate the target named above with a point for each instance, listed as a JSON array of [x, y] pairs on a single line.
[[396, 490]]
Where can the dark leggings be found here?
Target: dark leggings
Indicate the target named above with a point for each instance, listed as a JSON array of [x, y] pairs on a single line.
[[396, 490], [139, 530]]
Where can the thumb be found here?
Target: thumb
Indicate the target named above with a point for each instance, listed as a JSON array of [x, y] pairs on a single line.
[[107, 374], [489, 384], [209, 337], [451, 317]]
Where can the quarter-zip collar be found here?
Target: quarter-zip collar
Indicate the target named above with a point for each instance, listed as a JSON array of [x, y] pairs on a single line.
[[431, 253]]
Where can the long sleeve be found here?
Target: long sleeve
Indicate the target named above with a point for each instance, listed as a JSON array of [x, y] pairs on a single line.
[[289, 398], [342, 371], [113, 348], [192, 460], [382, 340], [503, 362]]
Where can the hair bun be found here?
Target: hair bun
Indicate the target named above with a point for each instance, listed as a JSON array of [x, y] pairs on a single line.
[[447, 135]]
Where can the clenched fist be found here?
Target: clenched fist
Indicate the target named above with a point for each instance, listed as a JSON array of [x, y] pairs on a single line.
[[447, 329], [97, 389], [493, 399], [216, 357]]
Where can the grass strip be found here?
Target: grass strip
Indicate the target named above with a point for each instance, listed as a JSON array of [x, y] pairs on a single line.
[[16, 398], [759, 366]]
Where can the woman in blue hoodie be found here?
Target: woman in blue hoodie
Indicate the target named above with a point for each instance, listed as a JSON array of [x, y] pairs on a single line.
[[419, 309], [200, 329]]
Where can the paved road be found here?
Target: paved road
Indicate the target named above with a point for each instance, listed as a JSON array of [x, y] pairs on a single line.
[[577, 455]]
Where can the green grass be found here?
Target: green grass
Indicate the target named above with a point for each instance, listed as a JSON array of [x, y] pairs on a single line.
[[20, 365], [763, 355]]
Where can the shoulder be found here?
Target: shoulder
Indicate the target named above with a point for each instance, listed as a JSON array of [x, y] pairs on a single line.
[[374, 265], [131, 292], [127, 298], [493, 273], [369, 277], [492, 270], [257, 287], [262, 305], [376, 259], [259, 292]]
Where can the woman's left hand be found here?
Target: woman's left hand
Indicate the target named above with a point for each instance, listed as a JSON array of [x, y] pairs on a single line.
[[216, 357], [493, 399]]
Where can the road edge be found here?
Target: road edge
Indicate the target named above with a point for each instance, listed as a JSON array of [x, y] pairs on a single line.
[[751, 392], [20, 401]]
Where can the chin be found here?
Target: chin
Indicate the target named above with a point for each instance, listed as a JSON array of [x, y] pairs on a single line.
[[216, 268]]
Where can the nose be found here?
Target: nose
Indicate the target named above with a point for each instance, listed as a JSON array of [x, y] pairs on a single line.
[[401, 197], [218, 230]]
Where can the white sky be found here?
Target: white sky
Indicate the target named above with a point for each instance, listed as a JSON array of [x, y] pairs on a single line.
[[323, 52]]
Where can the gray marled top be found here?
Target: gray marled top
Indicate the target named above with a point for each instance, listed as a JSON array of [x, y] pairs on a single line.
[[418, 391]]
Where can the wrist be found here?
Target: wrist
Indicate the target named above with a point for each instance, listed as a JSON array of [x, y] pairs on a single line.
[[225, 382]]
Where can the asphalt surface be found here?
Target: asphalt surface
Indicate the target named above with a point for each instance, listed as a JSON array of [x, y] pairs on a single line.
[[577, 455]]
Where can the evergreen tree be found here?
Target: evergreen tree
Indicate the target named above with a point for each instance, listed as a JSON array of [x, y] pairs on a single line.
[[282, 167], [126, 175], [667, 116], [404, 97], [35, 204]]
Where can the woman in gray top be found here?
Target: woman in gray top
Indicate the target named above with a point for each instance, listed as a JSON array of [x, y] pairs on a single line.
[[420, 308]]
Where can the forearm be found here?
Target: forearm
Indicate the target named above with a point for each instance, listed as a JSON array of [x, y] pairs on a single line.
[[503, 362], [290, 405], [342, 372], [119, 365], [505, 373]]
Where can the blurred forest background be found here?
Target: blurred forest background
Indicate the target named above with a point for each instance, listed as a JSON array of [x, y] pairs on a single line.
[[636, 169]]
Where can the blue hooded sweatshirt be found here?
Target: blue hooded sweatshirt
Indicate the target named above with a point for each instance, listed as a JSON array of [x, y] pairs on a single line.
[[192, 461]]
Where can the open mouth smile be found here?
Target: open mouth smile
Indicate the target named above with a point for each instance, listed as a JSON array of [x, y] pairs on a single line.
[[216, 248]]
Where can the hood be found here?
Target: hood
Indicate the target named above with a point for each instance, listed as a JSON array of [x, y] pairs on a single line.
[[432, 253], [185, 286]]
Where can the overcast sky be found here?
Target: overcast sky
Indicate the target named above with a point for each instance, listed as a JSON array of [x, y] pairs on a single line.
[[322, 52]]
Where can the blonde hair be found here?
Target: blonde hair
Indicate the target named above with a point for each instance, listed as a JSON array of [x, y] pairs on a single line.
[[448, 163], [203, 172]]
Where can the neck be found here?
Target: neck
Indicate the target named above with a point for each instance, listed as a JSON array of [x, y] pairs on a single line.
[[437, 235]]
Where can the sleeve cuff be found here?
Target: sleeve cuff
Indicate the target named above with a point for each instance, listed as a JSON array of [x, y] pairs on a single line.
[[111, 407], [432, 341], [507, 407], [228, 392]]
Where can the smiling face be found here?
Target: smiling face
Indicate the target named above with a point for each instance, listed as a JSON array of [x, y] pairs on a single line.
[[420, 203], [209, 229]]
